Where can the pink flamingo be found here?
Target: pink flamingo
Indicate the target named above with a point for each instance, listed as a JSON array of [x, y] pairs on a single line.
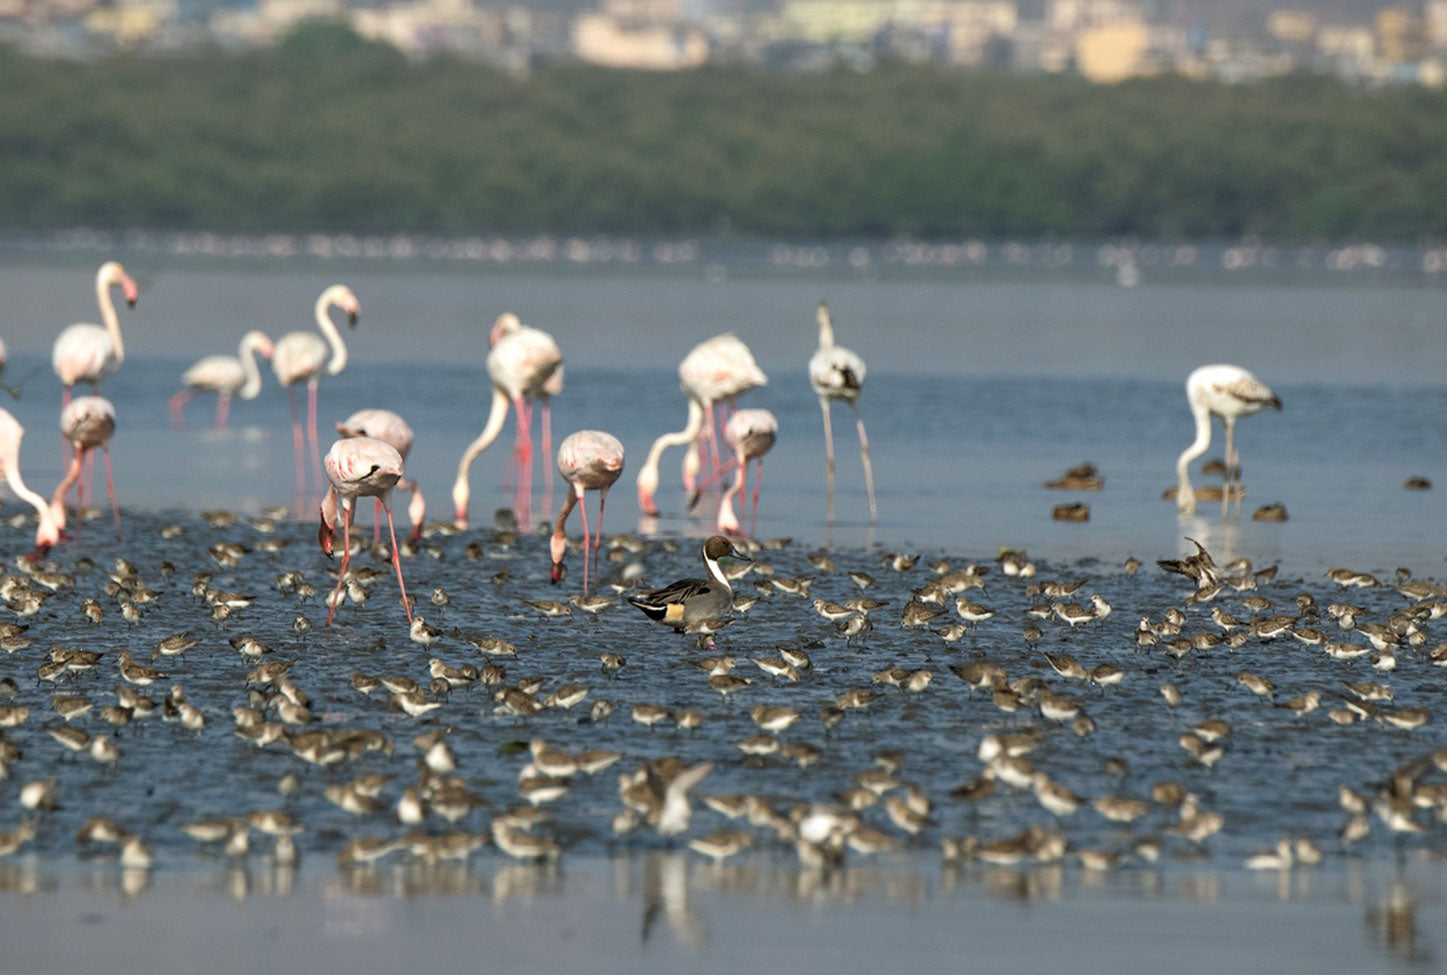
[[87, 422], [302, 357], [520, 363], [47, 534], [750, 433], [589, 460], [838, 373], [86, 353], [388, 427], [226, 376], [359, 467], [717, 370]]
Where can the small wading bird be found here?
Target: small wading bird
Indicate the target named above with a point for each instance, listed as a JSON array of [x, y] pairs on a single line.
[[359, 467], [87, 422], [226, 376], [691, 602], [303, 357], [838, 373], [1230, 392], [388, 427], [717, 370], [520, 364], [750, 433], [11, 432], [589, 460], [86, 353]]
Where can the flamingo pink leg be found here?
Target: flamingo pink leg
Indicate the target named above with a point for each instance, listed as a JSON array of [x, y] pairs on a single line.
[[828, 461], [311, 416], [868, 467], [298, 444], [376, 520], [346, 559], [525, 464], [548, 452], [111, 491], [397, 563], [758, 483], [587, 548], [223, 410], [598, 535], [177, 402], [89, 489]]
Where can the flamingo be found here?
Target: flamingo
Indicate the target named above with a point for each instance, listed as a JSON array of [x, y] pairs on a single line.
[[750, 433], [302, 357], [520, 363], [1230, 392], [838, 373], [87, 422], [86, 353], [359, 467], [388, 427], [589, 460], [226, 376], [47, 534], [716, 370]]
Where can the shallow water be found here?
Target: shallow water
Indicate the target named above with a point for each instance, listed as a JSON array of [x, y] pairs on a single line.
[[979, 392]]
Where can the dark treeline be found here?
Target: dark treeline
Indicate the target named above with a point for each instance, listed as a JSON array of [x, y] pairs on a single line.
[[326, 132]]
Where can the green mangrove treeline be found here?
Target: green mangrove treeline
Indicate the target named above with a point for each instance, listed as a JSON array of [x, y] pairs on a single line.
[[327, 132]]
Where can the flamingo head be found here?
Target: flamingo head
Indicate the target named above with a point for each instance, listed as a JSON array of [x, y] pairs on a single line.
[[417, 512], [267, 348], [506, 323], [647, 485], [559, 549], [328, 522], [460, 495]]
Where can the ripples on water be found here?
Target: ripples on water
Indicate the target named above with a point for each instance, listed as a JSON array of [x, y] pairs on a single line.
[[960, 460]]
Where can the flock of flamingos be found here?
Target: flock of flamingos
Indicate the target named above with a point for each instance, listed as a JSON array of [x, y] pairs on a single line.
[[525, 368]]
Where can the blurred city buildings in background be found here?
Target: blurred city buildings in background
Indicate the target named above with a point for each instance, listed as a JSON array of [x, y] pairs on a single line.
[[1101, 40]]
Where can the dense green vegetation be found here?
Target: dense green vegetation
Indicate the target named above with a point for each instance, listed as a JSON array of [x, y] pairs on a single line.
[[327, 132]]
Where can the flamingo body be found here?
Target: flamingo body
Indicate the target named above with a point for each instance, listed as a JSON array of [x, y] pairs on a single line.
[[716, 370], [87, 353], [87, 422], [589, 460], [522, 361], [47, 533], [750, 434], [303, 357], [388, 427], [1229, 392], [359, 467], [838, 373], [225, 375]]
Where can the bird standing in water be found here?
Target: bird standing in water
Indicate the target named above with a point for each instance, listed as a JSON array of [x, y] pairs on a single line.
[[750, 433], [87, 422], [47, 534], [303, 357], [359, 467], [226, 376], [690, 603], [388, 427], [1230, 392], [520, 364], [838, 373], [589, 460]]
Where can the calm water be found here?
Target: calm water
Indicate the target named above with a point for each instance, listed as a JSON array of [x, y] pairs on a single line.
[[979, 390]]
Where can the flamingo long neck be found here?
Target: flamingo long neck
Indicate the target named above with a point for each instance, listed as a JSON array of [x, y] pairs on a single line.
[[49, 530], [460, 491], [1185, 496], [334, 339], [108, 316], [252, 386], [826, 327], [648, 474]]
